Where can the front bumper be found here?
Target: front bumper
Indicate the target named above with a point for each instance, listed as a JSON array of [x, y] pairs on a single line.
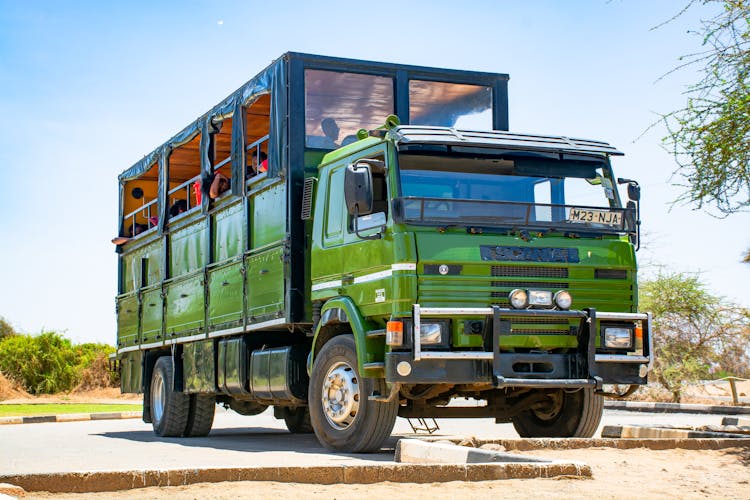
[[583, 368]]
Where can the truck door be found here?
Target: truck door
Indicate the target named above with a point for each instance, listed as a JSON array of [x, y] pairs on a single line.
[[366, 264]]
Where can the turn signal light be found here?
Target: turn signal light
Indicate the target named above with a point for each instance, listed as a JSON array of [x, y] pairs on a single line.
[[394, 333]]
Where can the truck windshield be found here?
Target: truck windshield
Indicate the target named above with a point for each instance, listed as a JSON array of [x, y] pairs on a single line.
[[535, 190]]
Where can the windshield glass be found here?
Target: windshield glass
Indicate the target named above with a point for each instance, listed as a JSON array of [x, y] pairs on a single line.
[[510, 190]]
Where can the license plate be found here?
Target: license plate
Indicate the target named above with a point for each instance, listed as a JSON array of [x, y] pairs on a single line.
[[595, 216]]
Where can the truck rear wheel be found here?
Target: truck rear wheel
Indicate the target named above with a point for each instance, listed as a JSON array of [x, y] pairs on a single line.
[[297, 420], [201, 416], [169, 409], [568, 414], [342, 415]]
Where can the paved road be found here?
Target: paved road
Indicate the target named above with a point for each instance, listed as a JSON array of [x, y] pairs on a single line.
[[234, 441]]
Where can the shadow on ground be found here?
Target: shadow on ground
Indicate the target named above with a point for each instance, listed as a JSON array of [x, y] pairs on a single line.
[[255, 440]]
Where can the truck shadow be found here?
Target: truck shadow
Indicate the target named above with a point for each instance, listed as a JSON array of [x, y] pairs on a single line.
[[255, 440]]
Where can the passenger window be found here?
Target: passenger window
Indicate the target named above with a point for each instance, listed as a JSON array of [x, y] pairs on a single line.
[[140, 203], [184, 174], [450, 105], [222, 161], [257, 125], [338, 104]]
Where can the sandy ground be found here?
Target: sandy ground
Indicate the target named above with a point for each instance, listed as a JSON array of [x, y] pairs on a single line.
[[633, 473]]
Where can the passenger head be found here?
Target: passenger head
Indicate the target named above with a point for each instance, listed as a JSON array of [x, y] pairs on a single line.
[[330, 128], [256, 162], [178, 207]]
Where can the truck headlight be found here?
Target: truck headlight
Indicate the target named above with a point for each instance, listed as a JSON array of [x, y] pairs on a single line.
[[431, 333], [519, 299], [540, 298], [618, 337], [563, 300]]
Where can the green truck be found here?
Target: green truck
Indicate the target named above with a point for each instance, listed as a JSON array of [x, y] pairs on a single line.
[[351, 241]]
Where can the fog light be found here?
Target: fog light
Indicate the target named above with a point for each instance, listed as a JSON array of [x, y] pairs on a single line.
[[403, 368], [618, 337], [430, 333], [563, 300], [394, 333], [519, 299], [541, 298]]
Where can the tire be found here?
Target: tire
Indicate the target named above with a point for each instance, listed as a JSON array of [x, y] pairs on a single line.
[[297, 420], [571, 414], [342, 415], [201, 416], [169, 409]]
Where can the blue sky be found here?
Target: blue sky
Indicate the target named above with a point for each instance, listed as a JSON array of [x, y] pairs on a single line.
[[88, 88]]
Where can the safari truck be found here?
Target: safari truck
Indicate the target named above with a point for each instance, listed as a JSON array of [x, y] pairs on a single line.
[[379, 245]]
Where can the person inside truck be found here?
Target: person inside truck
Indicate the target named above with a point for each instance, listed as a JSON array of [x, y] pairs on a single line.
[[177, 208], [257, 167], [219, 185], [330, 137]]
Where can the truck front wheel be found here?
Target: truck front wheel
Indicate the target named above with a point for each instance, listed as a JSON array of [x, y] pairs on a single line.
[[565, 414], [342, 415]]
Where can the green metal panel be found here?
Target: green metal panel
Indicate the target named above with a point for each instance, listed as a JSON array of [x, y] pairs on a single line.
[[131, 372], [185, 303], [268, 216], [198, 366], [369, 350], [146, 261], [225, 296], [265, 284], [187, 249], [151, 315], [127, 320], [228, 229]]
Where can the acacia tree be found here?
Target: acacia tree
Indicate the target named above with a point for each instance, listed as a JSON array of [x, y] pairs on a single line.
[[710, 136], [694, 331]]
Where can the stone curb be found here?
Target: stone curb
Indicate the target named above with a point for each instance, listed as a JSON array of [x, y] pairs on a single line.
[[85, 482], [70, 417], [676, 408], [529, 444]]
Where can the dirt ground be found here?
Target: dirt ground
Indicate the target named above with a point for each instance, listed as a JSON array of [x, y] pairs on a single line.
[[640, 473]]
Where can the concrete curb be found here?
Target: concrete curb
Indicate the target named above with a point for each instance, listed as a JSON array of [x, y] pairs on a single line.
[[85, 482], [70, 417], [417, 451], [676, 408], [630, 431], [740, 422], [530, 444]]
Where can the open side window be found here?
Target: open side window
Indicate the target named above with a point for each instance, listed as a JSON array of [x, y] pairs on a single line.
[[222, 159], [140, 203], [184, 174], [257, 126]]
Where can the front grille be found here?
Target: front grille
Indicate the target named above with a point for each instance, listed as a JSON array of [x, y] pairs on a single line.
[[538, 331], [530, 284], [610, 274], [530, 271]]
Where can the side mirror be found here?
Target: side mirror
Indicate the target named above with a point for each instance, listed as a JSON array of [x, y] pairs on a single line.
[[358, 189], [634, 191]]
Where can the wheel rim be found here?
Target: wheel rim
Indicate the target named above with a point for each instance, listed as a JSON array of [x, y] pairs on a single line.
[[552, 410], [158, 395], [340, 396]]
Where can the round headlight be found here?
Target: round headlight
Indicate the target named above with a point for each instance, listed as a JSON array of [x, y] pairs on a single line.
[[563, 300], [519, 299]]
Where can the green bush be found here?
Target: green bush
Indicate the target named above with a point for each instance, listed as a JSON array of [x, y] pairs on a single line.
[[50, 363]]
